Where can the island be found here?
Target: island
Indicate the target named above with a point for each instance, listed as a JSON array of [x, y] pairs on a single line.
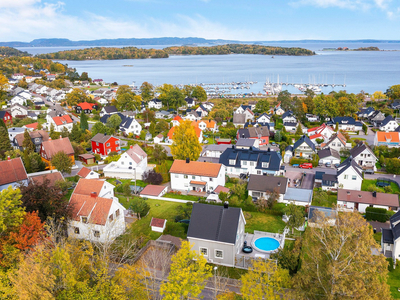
[[113, 53], [9, 51]]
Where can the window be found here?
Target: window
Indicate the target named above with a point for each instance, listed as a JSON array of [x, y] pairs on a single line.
[[232, 161], [108, 144], [265, 165], [219, 254], [130, 163], [108, 151], [185, 176], [96, 233], [252, 164], [76, 230], [97, 143], [244, 163], [354, 177], [258, 172], [111, 217], [176, 176], [256, 194], [204, 251], [211, 179], [117, 213], [84, 219], [37, 140], [193, 177], [346, 176]]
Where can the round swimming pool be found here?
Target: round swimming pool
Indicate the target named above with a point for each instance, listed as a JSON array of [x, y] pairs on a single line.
[[266, 244]]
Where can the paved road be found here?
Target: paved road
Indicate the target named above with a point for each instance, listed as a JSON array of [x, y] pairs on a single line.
[[308, 181]]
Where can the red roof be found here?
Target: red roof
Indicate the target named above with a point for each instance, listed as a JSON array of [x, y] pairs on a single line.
[[177, 118], [12, 170], [195, 168], [85, 105], [52, 177], [65, 119], [157, 222], [96, 207], [152, 190], [315, 136], [220, 189], [88, 186], [84, 172], [52, 147], [33, 125]]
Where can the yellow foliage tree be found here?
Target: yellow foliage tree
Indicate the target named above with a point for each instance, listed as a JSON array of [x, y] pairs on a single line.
[[186, 143], [264, 280], [3, 85], [11, 209], [75, 97], [189, 272], [338, 263], [378, 95]]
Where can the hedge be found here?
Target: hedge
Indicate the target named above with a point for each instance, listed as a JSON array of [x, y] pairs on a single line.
[[296, 160], [376, 214]]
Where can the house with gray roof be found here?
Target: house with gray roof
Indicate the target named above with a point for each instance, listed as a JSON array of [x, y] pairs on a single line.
[[388, 124], [110, 110], [390, 240], [376, 118], [345, 123], [239, 120], [364, 156], [250, 161], [329, 155], [217, 232], [130, 125], [302, 148], [301, 197], [261, 186], [349, 175]]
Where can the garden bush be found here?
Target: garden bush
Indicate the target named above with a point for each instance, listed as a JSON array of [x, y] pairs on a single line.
[[376, 214]]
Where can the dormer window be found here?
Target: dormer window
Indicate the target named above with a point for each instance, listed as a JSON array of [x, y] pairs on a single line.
[[265, 164], [232, 161], [84, 220]]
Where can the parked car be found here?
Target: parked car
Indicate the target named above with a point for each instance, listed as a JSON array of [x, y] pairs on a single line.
[[328, 164], [336, 165], [306, 166], [369, 171], [295, 165]]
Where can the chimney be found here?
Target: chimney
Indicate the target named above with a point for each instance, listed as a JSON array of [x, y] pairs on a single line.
[[187, 160], [49, 138], [93, 194], [8, 158], [226, 204], [131, 146], [374, 194]]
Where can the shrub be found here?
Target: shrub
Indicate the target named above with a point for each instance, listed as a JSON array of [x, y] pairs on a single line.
[[152, 177], [376, 214]]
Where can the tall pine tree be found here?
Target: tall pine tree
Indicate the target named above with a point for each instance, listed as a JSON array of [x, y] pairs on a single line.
[[5, 144], [27, 144], [2, 124], [84, 121]]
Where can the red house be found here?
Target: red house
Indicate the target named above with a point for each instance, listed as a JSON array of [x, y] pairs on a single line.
[[104, 144], [6, 116], [86, 107]]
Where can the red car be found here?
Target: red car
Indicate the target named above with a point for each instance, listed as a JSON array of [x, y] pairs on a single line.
[[306, 165]]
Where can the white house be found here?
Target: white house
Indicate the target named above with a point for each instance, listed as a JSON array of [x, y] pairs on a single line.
[[264, 118], [389, 124], [14, 131], [190, 102], [349, 175], [242, 108], [108, 110], [346, 124], [363, 156], [95, 218], [88, 174], [18, 110], [158, 139], [196, 176], [221, 237], [18, 100], [390, 240], [61, 122], [360, 200], [202, 110], [289, 117], [130, 125], [303, 148], [336, 142], [158, 225], [132, 163], [260, 186], [329, 155], [209, 125], [155, 103]]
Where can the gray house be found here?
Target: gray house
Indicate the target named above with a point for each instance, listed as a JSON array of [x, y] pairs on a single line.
[[217, 232]]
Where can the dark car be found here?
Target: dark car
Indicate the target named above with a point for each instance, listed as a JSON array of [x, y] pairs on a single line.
[[369, 171]]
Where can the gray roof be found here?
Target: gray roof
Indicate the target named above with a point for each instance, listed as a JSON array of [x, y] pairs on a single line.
[[304, 139], [239, 118], [215, 223], [328, 152], [245, 142], [216, 147], [110, 109], [301, 195], [387, 236], [293, 124], [387, 120], [357, 149], [349, 162], [253, 132], [395, 224], [265, 183], [101, 138], [327, 211]]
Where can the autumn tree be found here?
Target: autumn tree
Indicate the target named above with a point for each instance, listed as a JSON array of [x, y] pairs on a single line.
[[264, 280], [338, 262], [62, 162], [48, 200], [185, 142], [152, 177], [199, 93], [378, 95], [171, 96], [75, 97], [188, 275], [393, 92], [3, 86], [262, 106], [27, 144], [99, 127], [149, 115], [159, 154], [11, 211], [113, 122], [289, 256], [126, 99], [147, 91], [295, 215]]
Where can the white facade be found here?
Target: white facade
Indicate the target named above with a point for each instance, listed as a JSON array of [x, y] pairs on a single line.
[[361, 206], [330, 159], [125, 168], [335, 144], [203, 112], [134, 127], [366, 159], [158, 139], [18, 110], [182, 182], [390, 126], [100, 233], [264, 119], [59, 128], [350, 180], [155, 104], [259, 194], [18, 100]]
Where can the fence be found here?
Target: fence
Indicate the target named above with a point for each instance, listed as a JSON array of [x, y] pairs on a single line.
[[167, 245]]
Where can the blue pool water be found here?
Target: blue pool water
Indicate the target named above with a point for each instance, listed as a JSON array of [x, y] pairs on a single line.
[[266, 244]]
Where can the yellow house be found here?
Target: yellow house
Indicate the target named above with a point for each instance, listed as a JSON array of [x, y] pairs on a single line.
[[51, 147]]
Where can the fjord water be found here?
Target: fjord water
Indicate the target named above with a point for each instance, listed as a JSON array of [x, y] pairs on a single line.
[[360, 70]]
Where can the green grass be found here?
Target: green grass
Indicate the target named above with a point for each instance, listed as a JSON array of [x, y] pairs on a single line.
[[270, 222], [394, 282], [229, 272], [377, 237], [163, 210], [330, 202], [130, 181], [182, 197], [367, 182]]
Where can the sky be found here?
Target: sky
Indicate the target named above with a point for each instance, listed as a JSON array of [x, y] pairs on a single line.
[[243, 20]]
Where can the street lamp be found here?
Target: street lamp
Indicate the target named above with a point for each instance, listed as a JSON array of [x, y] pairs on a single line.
[[215, 282]]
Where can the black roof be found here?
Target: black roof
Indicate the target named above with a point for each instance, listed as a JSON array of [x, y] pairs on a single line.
[[126, 123], [357, 149], [387, 120], [215, 223], [328, 152], [345, 120], [257, 124], [155, 100], [396, 104], [104, 118], [398, 129], [245, 106], [349, 162], [294, 124], [366, 110], [395, 224], [110, 109], [258, 156], [303, 139], [287, 114], [265, 183], [319, 174], [189, 100], [387, 236], [2, 114]]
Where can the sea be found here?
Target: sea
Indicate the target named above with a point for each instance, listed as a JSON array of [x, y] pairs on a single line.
[[353, 71]]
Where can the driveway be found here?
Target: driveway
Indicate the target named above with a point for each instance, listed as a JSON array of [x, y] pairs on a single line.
[[308, 181]]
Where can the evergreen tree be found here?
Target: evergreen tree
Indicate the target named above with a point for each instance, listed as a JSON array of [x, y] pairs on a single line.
[[76, 133], [84, 121], [27, 161], [2, 124], [27, 144], [39, 126], [298, 130], [5, 144], [65, 132]]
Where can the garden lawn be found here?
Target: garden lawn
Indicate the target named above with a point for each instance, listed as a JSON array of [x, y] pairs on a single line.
[[230, 272], [332, 201], [130, 181], [182, 197], [263, 222], [367, 182], [163, 210], [394, 282]]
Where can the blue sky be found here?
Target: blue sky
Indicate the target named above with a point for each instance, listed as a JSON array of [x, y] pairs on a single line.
[[263, 20]]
